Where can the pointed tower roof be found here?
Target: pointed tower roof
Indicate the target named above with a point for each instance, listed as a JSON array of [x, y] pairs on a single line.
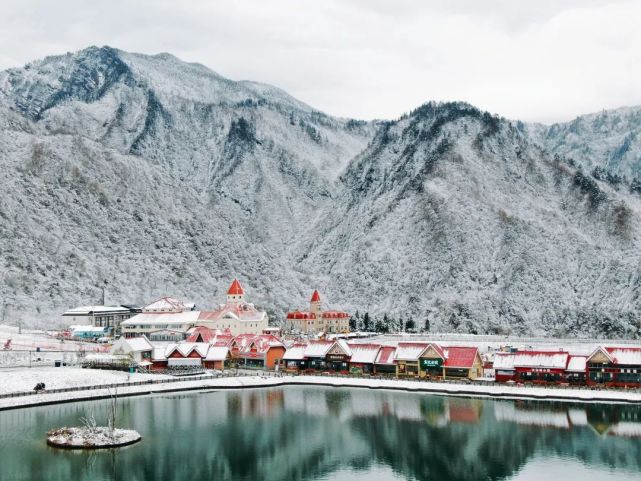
[[235, 289], [315, 296]]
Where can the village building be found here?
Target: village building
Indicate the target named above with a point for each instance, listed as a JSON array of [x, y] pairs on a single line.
[[139, 349], [187, 354], [407, 359], [615, 366], [433, 361], [531, 366], [317, 320], [236, 315], [167, 313], [318, 355], [294, 358], [384, 363], [576, 372], [88, 331], [166, 335], [363, 358], [218, 356], [108, 317], [462, 362], [263, 351]]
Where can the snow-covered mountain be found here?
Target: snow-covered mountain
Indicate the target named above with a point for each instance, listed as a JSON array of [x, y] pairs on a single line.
[[609, 140], [456, 215], [157, 176]]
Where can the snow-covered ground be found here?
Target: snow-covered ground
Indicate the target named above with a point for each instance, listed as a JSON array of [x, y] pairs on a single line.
[[30, 340], [489, 390], [24, 379]]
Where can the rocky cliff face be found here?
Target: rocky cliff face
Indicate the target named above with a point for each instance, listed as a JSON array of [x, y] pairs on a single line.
[[155, 176]]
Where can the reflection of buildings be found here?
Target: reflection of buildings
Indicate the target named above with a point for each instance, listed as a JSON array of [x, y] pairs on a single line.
[[313, 433], [605, 420]]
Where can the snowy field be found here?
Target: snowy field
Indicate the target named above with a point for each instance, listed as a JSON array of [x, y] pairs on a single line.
[[30, 340], [24, 379], [467, 390]]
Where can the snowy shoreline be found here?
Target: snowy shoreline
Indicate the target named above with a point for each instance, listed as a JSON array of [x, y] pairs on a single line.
[[253, 382]]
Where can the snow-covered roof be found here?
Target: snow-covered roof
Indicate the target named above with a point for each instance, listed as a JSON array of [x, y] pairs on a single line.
[[237, 310], [295, 353], [629, 356], [460, 356], [166, 304], [162, 319], [318, 348], [503, 361], [386, 355], [217, 353], [132, 344], [577, 363], [364, 353], [409, 351], [531, 359], [86, 310]]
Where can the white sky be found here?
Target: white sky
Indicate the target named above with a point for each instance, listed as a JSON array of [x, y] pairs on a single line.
[[539, 60]]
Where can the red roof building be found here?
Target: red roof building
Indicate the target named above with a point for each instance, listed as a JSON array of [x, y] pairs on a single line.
[[316, 320], [236, 315]]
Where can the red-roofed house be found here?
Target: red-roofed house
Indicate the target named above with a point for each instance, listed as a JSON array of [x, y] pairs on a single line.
[[237, 315], [429, 360], [615, 366], [200, 334], [384, 363], [462, 362], [531, 366], [317, 320], [262, 351]]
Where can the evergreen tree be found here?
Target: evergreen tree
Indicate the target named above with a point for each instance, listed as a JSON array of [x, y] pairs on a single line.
[[366, 322], [410, 325], [427, 325]]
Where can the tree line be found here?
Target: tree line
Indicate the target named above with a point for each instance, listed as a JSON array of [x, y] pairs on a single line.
[[386, 323]]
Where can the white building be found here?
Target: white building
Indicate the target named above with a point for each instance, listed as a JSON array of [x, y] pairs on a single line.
[[237, 315], [166, 313], [99, 316], [138, 348]]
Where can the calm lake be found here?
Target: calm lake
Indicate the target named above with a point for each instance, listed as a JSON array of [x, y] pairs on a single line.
[[305, 433]]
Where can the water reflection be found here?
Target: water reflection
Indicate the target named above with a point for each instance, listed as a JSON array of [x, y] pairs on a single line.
[[318, 433]]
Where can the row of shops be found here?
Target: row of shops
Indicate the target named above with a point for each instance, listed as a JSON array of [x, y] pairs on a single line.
[[610, 366], [205, 349], [416, 359]]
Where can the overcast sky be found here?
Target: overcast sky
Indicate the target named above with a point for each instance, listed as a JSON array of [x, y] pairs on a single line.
[[542, 60]]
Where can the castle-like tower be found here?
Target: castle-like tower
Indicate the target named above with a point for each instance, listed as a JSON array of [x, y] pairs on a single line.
[[235, 293]]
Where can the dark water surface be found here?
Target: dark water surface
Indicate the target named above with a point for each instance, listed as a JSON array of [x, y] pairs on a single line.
[[312, 433]]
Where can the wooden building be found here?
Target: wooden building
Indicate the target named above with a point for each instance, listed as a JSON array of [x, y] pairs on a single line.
[[614, 366]]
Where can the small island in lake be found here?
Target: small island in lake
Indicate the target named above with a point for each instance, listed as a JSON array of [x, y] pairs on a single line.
[[92, 437]]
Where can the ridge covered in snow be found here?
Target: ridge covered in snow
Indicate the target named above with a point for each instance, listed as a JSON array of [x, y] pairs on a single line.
[[149, 176]]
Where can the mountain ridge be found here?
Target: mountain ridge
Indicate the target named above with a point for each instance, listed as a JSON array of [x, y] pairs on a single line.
[[158, 179]]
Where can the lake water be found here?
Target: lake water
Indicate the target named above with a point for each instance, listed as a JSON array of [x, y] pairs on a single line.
[[305, 433]]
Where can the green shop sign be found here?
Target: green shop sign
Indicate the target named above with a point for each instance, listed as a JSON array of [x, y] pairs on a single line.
[[430, 363]]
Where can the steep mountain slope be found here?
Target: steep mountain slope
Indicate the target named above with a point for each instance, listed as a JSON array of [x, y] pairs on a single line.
[[456, 216], [152, 176], [609, 140], [155, 176]]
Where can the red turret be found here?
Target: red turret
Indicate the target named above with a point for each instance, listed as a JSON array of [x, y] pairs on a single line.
[[235, 289], [315, 297]]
